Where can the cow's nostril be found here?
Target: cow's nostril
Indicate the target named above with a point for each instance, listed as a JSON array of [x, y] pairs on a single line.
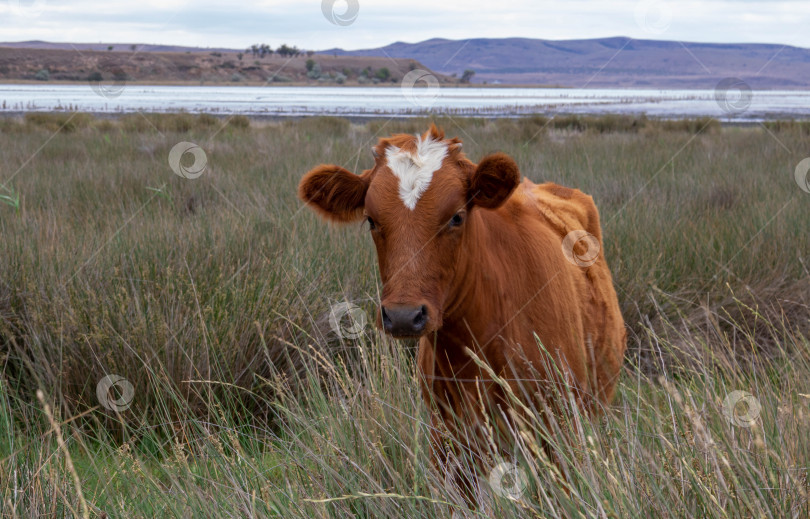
[[387, 324], [420, 319]]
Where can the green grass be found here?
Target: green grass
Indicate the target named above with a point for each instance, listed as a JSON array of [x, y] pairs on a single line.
[[211, 297]]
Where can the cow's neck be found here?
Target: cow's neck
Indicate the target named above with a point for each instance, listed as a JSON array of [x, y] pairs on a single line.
[[473, 310]]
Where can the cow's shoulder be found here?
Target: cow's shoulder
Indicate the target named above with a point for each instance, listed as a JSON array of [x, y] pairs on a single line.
[[565, 209]]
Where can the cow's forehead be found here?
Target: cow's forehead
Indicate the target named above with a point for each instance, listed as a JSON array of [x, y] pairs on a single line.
[[414, 165]]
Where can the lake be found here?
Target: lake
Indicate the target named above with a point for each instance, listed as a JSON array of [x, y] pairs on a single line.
[[734, 104]]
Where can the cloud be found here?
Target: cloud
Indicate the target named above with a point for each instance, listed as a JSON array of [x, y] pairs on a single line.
[[302, 23]]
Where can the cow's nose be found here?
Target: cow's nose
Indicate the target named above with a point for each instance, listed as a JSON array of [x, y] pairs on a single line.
[[404, 321]]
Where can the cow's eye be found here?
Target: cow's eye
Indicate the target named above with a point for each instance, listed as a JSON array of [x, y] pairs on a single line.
[[371, 224], [456, 220]]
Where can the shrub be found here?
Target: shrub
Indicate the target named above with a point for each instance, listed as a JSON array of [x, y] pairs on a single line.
[[320, 125], [105, 125], [797, 127], [207, 120], [699, 125], [315, 72], [239, 121], [10, 125], [42, 75], [148, 123], [58, 121]]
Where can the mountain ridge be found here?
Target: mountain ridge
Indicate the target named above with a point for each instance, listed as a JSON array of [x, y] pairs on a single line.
[[617, 61]]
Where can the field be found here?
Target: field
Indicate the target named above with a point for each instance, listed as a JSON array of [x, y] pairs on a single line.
[[211, 297]]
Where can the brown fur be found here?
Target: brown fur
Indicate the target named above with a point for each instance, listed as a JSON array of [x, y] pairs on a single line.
[[489, 284]]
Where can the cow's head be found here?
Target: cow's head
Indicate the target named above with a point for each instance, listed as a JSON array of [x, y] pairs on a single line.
[[418, 200]]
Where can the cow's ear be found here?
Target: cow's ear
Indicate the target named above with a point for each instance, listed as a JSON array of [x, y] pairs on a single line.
[[334, 193], [493, 180]]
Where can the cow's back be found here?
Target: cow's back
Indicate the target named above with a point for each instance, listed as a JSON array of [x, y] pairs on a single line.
[[566, 210]]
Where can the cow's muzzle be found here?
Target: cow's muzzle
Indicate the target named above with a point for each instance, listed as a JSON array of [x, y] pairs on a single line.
[[404, 321]]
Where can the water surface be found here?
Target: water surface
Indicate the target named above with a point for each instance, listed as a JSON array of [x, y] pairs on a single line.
[[371, 101]]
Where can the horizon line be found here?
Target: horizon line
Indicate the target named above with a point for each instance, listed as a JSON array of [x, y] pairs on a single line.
[[235, 49]]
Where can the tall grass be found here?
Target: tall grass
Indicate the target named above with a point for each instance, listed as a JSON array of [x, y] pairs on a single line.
[[212, 297]]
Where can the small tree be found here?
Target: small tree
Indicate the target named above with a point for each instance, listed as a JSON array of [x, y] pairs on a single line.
[[239, 56], [467, 76], [310, 64], [43, 75], [285, 50], [383, 74], [110, 47], [133, 47]]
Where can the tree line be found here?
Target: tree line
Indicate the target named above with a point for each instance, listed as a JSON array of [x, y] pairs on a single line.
[[261, 50]]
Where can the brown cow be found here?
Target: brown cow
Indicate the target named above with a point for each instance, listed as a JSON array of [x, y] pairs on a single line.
[[471, 257]]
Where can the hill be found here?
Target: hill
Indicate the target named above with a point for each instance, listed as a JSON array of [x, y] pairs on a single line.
[[210, 67], [607, 62]]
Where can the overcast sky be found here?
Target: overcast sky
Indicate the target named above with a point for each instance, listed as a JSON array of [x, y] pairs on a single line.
[[359, 24]]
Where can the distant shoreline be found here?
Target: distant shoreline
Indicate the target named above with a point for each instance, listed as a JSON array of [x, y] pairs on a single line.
[[295, 84], [303, 84]]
